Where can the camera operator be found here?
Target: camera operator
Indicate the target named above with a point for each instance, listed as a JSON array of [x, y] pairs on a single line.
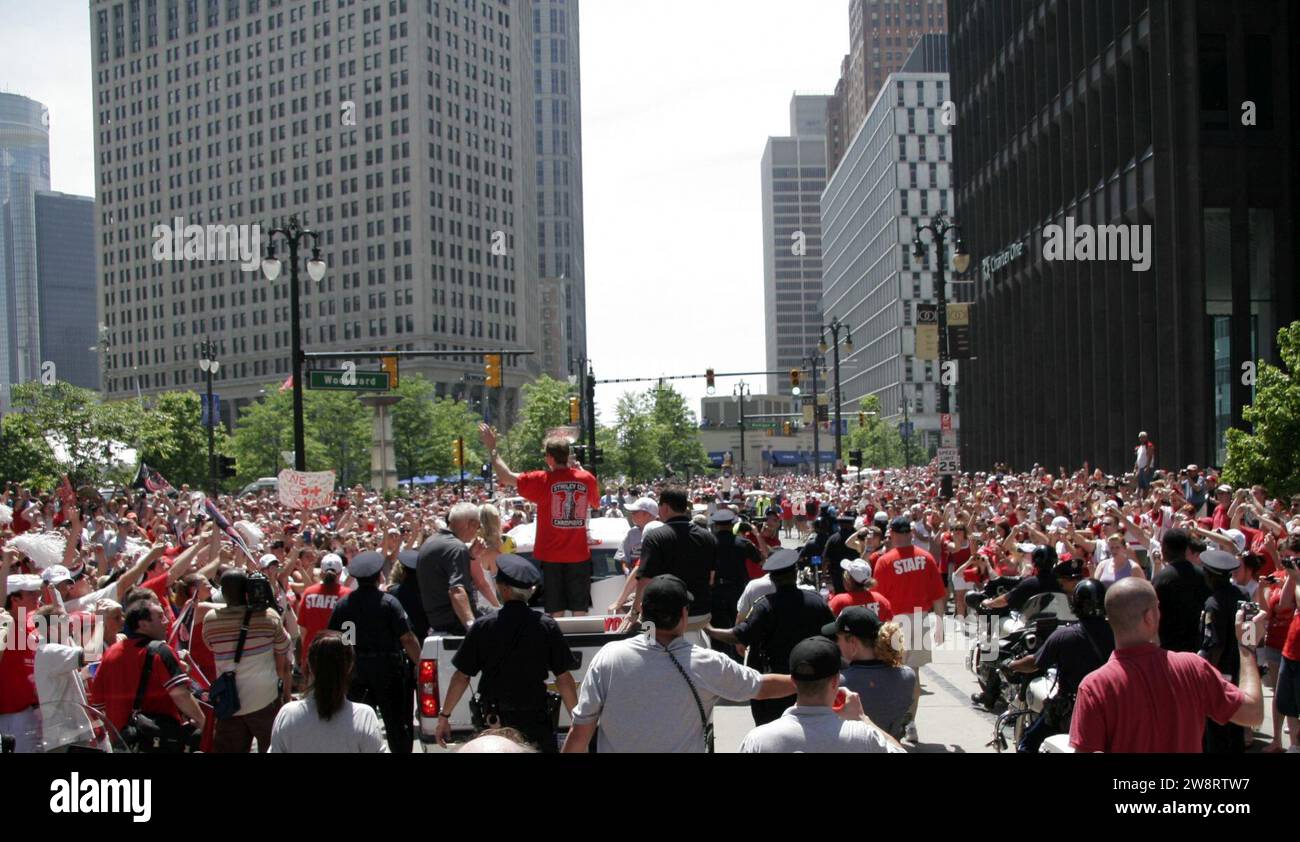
[[262, 669]]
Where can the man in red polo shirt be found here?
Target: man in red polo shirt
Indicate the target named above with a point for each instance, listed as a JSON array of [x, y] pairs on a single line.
[[564, 496], [115, 684], [1147, 699]]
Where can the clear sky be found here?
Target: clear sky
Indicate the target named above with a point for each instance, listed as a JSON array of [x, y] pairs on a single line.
[[679, 97]]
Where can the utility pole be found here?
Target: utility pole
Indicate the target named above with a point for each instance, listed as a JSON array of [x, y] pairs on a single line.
[[742, 392]]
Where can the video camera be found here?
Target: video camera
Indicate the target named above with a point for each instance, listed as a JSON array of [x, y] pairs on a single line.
[[259, 595]]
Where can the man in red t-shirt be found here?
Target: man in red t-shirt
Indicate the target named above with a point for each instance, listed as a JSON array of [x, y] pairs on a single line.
[[118, 678], [1287, 694], [910, 579], [318, 601], [1147, 699], [565, 495], [19, 710], [859, 584]]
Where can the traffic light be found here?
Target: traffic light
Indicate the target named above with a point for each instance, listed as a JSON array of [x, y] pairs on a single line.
[[575, 409], [711, 381], [794, 380], [458, 453], [787, 428], [492, 368], [862, 419], [226, 467], [389, 364], [855, 457], [597, 456]]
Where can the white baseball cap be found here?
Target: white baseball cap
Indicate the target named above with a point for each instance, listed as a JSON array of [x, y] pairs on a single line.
[[331, 563], [644, 504], [55, 574], [1238, 537], [267, 560], [857, 568]]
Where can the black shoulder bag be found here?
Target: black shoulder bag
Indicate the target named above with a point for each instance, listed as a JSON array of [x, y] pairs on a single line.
[[704, 719], [156, 733], [224, 693]]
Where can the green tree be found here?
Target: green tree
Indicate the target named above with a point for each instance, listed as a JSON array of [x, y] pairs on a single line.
[[677, 432], [637, 448], [25, 456], [263, 431], [173, 440], [341, 426], [451, 420], [75, 417], [413, 422], [545, 406], [1270, 456], [880, 442]]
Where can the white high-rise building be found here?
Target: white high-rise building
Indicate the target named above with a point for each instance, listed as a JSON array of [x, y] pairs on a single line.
[[794, 174], [399, 129], [895, 175]]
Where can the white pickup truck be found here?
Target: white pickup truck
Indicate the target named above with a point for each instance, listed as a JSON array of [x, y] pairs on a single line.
[[585, 635]]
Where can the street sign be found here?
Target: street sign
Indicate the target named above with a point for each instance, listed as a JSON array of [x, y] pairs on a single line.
[[949, 459], [906, 428], [945, 422], [332, 381], [948, 439]]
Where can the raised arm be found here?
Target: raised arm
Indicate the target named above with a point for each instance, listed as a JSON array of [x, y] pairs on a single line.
[[489, 438]]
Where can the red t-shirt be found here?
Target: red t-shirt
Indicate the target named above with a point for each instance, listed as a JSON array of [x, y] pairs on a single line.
[[114, 686], [161, 585], [787, 511], [910, 579], [1147, 700], [843, 600], [314, 610], [17, 676], [564, 498], [1220, 518], [1279, 623], [1255, 540]]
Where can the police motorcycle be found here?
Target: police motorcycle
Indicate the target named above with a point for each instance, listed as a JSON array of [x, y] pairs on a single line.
[[1018, 633], [1023, 696]]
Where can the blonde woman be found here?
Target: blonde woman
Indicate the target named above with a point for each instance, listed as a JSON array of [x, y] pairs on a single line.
[[875, 652], [484, 568]]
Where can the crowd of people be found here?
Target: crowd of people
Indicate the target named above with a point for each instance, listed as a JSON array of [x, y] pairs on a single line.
[[162, 620]]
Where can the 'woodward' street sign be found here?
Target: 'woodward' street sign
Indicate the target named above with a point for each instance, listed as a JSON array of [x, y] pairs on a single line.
[[332, 381]]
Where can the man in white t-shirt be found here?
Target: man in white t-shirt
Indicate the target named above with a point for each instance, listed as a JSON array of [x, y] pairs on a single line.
[[59, 687]]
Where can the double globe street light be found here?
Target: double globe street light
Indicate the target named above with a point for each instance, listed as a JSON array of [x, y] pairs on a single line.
[[293, 234], [210, 365]]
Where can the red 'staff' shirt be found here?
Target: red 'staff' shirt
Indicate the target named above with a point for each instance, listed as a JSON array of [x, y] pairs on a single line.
[[563, 497], [1147, 700], [883, 609], [909, 578], [314, 610]]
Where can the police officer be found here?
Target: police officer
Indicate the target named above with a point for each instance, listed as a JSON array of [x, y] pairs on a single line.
[[1218, 641], [778, 621], [377, 626], [514, 649], [732, 575]]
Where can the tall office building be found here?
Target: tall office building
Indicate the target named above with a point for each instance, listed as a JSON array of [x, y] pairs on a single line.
[[557, 106], [837, 131], [896, 174], [1175, 116], [794, 174], [882, 34], [24, 171], [399, 129], [65, 272]]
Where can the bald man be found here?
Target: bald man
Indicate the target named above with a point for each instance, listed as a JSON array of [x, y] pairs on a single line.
[[1146, 699]]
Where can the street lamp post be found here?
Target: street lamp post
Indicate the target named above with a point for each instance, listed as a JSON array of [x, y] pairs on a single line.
[[834, 328], [907, 428], [939, 227], [293, 234], [741, 392], [210, 365]]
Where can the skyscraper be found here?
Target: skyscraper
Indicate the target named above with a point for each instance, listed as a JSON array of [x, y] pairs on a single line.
[[896, 174], [882, 34], [24, 171], [65, 271], [1173, 124], [557, 105], [400, 130], [794, 174]]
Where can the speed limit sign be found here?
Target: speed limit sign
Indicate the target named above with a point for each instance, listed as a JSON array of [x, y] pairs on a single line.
[[949, 460]]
